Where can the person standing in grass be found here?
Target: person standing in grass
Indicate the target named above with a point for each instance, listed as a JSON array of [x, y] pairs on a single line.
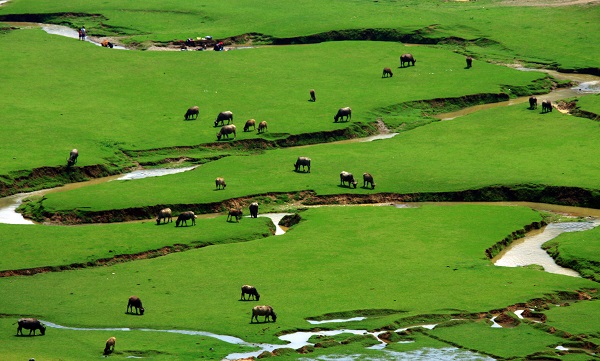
[[82, 33]]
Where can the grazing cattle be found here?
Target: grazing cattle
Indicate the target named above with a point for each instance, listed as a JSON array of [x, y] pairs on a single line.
[[313, 98], [226, 130], [31, 324], [107, 44], [249, 290], [220, 183], [164, 214], [387, 72], [546, 106], [304, 162], [532, 102], [234, 213], [347, 177], [250, 123], [407, 59], [183, 218], [262, 126], [253, 210], [192, 113], [469, 61], [266, 311], [343, 112], [135, 302], [368, 178], [224, 116], [72, 160], [110, 345]]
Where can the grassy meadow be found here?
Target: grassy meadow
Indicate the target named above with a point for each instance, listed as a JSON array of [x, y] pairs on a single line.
[[369, 267], [105, 102], [505, 146], [398, 267]]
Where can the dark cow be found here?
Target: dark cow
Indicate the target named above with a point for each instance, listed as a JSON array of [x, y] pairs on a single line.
[[262, 127], [387, 72], [220, 183], [192, 113], [546, 106], [532, 102], [343, 112], [135, 302], [224, 116], [72, 160], [368, 179], [347, 177], [469, 62], [407, 59], [253, 210], [266, 311], [249, 290], [250, 123], [226, 130], [31, 324], [234, 213], [164, 214], [302, 162], [313, 98], [183, 218]]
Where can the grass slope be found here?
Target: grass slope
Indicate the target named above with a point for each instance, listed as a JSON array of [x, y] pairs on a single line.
[[504, 146], [528, 33], [378, 262], [105, 100]]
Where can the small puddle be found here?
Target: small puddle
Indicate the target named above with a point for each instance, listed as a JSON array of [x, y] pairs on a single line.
[[9, 204], [149, 173], [276, 218], [528, 251], [313, 322]]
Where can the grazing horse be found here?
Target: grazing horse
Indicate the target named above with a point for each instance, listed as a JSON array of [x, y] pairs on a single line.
[[546, 106], [532, 102], [469, 62], [387, 72], [110, 345]]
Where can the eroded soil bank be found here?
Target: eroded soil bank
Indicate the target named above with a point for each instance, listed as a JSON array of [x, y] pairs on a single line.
[[569, 196]]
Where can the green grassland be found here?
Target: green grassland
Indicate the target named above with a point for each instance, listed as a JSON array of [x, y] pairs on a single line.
[[507, 146], [492, 28], [107, 101], [54, 246], [377, 263], [399, 267]]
